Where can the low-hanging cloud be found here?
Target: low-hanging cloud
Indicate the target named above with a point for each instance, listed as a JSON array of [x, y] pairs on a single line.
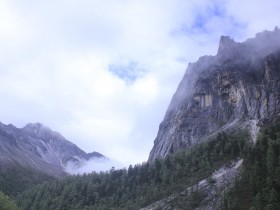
[[92, 165]]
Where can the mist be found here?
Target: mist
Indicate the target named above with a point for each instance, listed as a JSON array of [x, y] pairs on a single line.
[[263, 44], [92, 165]]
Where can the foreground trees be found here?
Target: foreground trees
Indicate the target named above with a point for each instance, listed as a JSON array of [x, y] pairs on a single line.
[[259, 185], [136, 186]]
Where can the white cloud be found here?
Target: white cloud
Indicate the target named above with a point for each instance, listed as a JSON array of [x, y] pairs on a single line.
[[58, 57], [95, 164], [9, 22]]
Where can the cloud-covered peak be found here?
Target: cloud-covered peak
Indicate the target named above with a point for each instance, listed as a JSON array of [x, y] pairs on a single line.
[[225, 44], [41, 131]]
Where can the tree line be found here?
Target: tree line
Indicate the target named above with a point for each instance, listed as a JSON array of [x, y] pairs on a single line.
[[139, 185], [257, 188]]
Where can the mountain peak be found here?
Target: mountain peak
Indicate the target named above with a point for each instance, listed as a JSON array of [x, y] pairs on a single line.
[[41, 131], [234, 90], [95, 155], [36, 126], [225, 43], [37, 146], [263, 44]]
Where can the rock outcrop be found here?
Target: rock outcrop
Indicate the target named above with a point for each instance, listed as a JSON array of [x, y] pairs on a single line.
[[237, 88], [209, 190]]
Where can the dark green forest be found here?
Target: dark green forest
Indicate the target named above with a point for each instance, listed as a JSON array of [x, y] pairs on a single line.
[[15, 179], [136, 186], [257, 187]]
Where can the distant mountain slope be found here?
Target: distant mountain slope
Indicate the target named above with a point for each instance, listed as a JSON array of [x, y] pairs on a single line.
[[37, 147], [238, 88]]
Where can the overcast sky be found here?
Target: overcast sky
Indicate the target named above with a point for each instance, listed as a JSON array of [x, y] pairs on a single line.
[[102, 72]]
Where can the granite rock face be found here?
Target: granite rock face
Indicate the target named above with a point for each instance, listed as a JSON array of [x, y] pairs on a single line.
[[238, 87]]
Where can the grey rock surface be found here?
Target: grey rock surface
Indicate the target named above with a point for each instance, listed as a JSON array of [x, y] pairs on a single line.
[[239, 86], [210, 189], [38, 147]]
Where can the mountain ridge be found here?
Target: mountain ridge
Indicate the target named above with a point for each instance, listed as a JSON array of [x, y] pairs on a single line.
[[38, 147]]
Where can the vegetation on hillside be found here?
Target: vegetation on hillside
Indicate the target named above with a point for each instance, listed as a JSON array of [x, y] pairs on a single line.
[[136, 186], [6, 203], [16, 179], [259, 186]]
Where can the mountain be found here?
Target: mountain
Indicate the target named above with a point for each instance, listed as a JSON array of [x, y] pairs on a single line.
[[218, 146], [239, 88], [37, 147]]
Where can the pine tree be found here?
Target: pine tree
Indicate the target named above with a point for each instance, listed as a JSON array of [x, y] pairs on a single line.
[[6, 203], [273, 200]]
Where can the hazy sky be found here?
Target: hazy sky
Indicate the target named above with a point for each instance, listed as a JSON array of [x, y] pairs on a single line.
[[102, 72]]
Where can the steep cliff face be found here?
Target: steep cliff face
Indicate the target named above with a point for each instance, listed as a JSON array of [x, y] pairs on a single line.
[[237, 88]]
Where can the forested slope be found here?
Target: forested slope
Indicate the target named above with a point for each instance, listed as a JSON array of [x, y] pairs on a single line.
[[140, 185], [259, 185], [15, 179]]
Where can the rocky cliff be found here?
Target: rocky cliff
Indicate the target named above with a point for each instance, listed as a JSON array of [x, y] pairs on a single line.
[[39, 148], [236, 89]]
